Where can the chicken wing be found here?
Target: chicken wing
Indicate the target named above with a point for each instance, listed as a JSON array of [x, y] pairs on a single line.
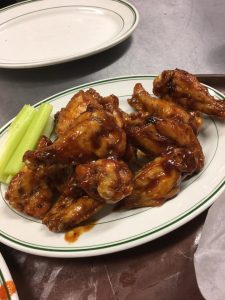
[[32, 191], [184, 88], [108, 180], [158, 135], [160, 179], [71, 208], [141, 100], [94, 135], [78, 104], [29, 193]]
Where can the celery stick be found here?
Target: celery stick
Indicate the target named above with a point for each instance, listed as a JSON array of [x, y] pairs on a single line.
[[14, 137], [30, 138], [4, 178], [8, 179], [49, 127], [25, 110]]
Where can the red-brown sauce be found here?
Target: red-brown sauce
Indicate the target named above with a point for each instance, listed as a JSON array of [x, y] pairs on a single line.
[[74, 234], [10, 287]]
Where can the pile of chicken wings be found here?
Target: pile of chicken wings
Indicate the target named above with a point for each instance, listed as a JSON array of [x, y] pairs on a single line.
[[103, 155]]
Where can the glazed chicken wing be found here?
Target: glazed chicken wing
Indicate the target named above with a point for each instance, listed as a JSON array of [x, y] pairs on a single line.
[[108, 180], [32, 191], [143, 101], [76, 106], [94, 134], [157, 136], [71, 208], [28, 192], [184, 88], [160, 179]]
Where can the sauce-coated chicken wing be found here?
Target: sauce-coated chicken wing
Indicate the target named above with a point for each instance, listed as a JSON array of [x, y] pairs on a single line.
[[32, 191], [184, 88], [158, 135], [78, 104], [94, 134], [71, 208], [28, 192], [108, 180], [160, 179], [142, 100]]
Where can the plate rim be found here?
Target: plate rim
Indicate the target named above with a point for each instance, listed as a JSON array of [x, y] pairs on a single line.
[[106, 45], [5, 276], [131, 242]]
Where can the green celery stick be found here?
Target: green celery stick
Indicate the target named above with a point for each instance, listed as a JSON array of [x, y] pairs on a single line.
[[15, 123], [14, 136], [4, 178], [49, 127], [30, 138], [8, 179]]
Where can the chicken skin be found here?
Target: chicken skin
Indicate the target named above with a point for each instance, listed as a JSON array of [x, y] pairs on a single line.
[[183, 88], [157, 136], [71, 208], [108, 180], [111, 104], [94, 135], [28, 192], [159, 180], [32, 191], [78, 104], [142, 101]]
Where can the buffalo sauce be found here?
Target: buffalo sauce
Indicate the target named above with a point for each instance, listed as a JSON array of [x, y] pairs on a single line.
[[74, 234], [8, 288]]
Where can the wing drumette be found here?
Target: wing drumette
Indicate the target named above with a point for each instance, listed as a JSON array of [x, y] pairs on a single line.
[[184, 88]]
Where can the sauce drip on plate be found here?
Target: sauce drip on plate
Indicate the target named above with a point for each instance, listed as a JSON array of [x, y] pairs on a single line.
[[74, 234], [11, 289]]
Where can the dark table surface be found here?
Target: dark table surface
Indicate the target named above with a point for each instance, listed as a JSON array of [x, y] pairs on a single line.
[[185, 34]]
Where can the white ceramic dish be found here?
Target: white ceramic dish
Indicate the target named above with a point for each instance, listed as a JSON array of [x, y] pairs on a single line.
[[7, 286], [117, 231], [38, 33]]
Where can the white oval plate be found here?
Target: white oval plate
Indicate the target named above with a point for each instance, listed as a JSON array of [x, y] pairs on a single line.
[[38, 33], [6, 282], [117, 231]]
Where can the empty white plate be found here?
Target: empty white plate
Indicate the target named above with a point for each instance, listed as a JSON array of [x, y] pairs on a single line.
[[39, 33]]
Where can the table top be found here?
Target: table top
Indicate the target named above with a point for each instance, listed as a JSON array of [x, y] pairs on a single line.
[[184, 34]]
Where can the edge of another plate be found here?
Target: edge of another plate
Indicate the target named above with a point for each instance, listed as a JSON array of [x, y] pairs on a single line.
[[47, 62], [5, 279]]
